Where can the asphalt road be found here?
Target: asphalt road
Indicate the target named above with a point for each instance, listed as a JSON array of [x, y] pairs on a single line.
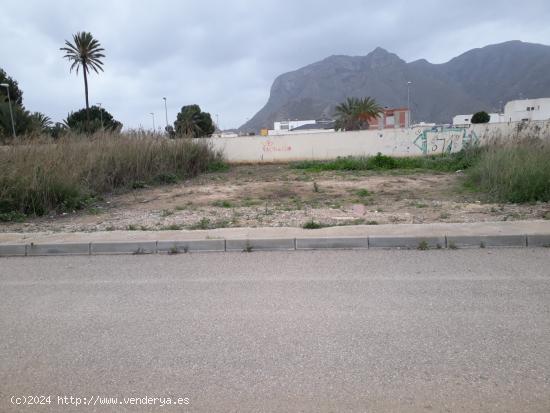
[[371, 331]]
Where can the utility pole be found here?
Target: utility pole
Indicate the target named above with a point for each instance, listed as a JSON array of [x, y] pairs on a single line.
[[409, 83], [166, 113], [153, 115]]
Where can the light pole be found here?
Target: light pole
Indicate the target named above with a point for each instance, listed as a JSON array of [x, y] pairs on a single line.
[[153, 115], [100, 114], [409, 83], [166, 113], [9, 104]]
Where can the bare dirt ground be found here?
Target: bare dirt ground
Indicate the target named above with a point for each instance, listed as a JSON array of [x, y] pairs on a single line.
[[277, 195]]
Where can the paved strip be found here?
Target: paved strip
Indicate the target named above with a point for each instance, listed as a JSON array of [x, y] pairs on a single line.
[[324, 331]]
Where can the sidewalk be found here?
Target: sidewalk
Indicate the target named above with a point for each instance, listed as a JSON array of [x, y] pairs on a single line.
[[412, 236]]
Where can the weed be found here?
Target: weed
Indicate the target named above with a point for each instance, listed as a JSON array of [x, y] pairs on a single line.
[[166, 213], [247, 247], [171, 227], [423, 245], [363, 192], [12, 216], [481, 244], [313, 225], [222, 204], [452, 246], [315, 187], [372, 222], [444, 215], [132, 227]]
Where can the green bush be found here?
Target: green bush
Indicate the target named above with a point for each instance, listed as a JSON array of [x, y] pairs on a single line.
[[446, 162], [515, 172]]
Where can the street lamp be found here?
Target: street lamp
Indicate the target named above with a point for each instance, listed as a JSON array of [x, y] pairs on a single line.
[[9, 104], [409, 83], [100, 113], [153, 115], [166, 113]]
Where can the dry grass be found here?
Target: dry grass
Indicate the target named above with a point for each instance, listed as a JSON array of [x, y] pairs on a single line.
[[38, 177]]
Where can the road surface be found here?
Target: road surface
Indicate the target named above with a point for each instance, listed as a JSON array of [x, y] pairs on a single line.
[[369, 331]]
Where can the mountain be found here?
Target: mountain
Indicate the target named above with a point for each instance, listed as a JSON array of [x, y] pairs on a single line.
[[480, 79]]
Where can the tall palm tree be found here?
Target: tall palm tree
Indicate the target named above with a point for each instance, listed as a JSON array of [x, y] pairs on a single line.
[[85, 52], [355, 113]]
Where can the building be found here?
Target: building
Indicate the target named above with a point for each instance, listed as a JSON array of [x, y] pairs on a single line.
[[465, 120], [295, 127], [391, 118], [514, 111], [527, 109]]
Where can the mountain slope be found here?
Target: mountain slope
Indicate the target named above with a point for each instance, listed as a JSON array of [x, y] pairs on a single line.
[[480, 79]]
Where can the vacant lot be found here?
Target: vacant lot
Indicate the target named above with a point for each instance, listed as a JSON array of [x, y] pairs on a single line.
[[280, 195]]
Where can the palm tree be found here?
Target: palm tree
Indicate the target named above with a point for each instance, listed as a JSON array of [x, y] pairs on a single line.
[[85, 52], [355, 113]]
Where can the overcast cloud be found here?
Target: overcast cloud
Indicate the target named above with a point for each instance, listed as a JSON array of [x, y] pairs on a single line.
[[224, 55]]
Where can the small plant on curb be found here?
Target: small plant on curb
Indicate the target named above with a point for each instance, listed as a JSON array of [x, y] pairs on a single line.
[[247, 247], [132, 227], [481, 244], [423, 245], [452, 246], [173, 250], [139, 251]]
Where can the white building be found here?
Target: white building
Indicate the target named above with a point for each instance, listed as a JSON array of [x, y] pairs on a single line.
[[527, 109], [296, 127], [514, 111], [464, 120]]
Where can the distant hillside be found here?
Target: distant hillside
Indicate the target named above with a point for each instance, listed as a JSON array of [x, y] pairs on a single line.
[[480, 79]]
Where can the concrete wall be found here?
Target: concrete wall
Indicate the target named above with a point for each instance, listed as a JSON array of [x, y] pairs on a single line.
[[396, 142]]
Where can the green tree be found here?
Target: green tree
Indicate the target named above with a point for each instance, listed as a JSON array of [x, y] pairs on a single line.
[[92, 120], [481, 117], [85, 52], [21, 118], [191, 121], [355, 113], [16, 95], [40, 123]]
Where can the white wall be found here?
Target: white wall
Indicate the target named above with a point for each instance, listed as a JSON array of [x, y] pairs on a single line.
[[397, 142]]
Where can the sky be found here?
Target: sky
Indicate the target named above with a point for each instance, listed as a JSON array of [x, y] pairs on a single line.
[[224, 55]]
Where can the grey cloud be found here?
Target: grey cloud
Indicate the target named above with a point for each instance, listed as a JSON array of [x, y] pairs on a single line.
[[224, 55]]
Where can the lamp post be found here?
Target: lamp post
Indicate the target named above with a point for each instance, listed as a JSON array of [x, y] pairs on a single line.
[[153, 115], [166, 113], [409, 83], [7, 86]]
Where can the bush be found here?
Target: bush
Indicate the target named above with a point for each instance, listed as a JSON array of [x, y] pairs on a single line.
[[99, 119], [42, 177], [446, 162], [518, 171], [481, 117]]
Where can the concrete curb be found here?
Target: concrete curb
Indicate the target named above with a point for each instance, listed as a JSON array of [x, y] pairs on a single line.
[[332, 243], [277, 244], [268, 244]]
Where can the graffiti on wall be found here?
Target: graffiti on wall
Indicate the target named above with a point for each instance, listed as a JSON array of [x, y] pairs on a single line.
[[270, 146], [442, 139]]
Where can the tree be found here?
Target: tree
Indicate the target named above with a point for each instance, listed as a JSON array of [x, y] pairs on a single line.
[[191, 121], [85, 52], [355, 113], [481, 117], [21, 118], [92, 120], [16, 95], [40, 123]]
